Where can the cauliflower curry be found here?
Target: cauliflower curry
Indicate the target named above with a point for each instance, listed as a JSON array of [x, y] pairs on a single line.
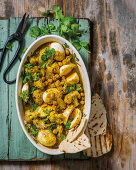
[[52, 94]]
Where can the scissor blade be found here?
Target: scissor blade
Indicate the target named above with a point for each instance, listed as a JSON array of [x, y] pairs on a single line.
[[25, 23], [20, 26]]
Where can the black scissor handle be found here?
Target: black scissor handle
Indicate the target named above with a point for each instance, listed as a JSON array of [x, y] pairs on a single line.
[[10, 64], [12, 37]]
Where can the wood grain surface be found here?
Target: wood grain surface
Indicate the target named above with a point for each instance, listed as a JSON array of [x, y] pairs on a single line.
[[113, 74]]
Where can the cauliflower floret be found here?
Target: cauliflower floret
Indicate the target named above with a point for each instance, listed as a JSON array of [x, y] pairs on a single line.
[[61, 103], [29, 116], [39, 124], [55, 68], [37, 96], [46, 138], [69, 98], [51, 94], [39, 84]]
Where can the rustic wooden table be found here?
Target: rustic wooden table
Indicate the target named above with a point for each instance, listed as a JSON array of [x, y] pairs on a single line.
[[113, 74]]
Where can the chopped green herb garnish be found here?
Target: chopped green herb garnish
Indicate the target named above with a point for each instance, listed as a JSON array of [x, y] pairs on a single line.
[[36, 77], [69, 89], [35, 31], [34, 106], [28, 66], [32, 89], [66, 45], [47, 111], [24, 50], [78, 87], [24, 96], [68, 125], [44, 64], [10, 45], [43, 57], [63, 137], [75, 57], [84, 114], [35, 130], [27, 77], [52, 126], [34, 127], [46, 119]]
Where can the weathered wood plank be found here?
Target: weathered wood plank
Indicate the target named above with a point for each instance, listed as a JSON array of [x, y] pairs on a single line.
[[19, 146], [4, 95]]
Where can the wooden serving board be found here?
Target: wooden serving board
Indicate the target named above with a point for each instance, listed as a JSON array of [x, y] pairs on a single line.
[[14, 145]]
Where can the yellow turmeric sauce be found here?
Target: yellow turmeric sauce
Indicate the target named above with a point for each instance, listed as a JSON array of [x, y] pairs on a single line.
[[52, 94]]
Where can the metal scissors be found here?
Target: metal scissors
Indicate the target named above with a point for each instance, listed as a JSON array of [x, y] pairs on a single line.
[[18, 35]]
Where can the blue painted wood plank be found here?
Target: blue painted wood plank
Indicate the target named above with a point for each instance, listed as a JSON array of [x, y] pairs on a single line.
[[19, 146], [4, 96]]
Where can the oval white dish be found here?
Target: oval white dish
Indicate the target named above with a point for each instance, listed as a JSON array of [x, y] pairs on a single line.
[[85, 78]]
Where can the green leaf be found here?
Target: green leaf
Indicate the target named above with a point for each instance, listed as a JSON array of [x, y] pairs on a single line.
[[58, 14], [78, 87], [66, 46], [47, 111], [84, 114], [24, 96], [69, 89], [34, 132], [68, 125], [44, 64], [36, 77], [44, 31], [83, 44], [68, 21], [35, 31], [32, 89], [52, 126], [34, 127], [64, 28], [10, 45], [75, 28], [27, 77], [51, 27], [46, 119], [33, 105], [75, 57], [43, 57], [76, 44], [24, 50], [63, 137], [29, 66]]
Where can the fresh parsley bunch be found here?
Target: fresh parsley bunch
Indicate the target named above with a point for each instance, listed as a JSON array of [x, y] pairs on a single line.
[[68, 28]]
